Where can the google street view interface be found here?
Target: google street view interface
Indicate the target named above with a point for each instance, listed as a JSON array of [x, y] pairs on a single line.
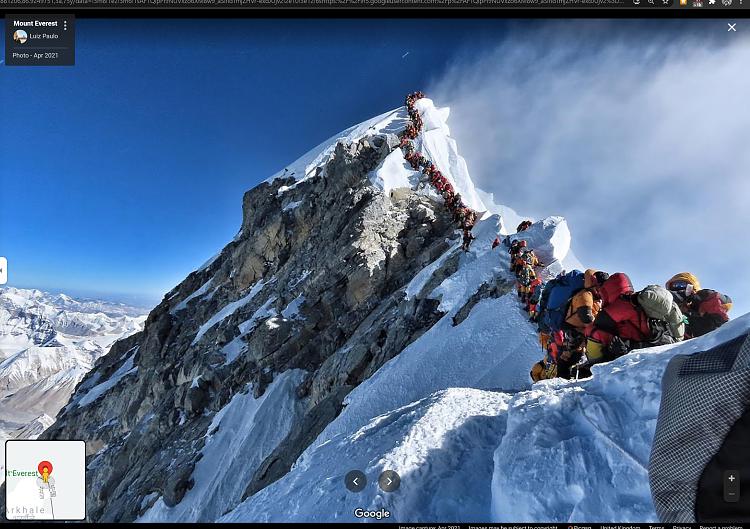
[[459, 271]]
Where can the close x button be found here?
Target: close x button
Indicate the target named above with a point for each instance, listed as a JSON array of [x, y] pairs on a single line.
[[731, 486]]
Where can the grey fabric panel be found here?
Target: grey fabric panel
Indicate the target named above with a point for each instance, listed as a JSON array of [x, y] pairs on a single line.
[[717, 360], [702, 397]]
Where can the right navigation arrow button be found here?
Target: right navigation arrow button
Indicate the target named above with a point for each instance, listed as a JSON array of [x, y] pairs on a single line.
[[389, 481]]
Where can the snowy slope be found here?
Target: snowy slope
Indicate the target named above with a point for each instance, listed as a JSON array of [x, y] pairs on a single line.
[[594, 437], [437, 145], [441, 446], [435, 142], [492, 348], [564, 451], [391, 122], [433, 413], [241, 435]]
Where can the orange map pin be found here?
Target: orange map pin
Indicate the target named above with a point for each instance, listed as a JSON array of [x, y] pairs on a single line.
[[45, 469]]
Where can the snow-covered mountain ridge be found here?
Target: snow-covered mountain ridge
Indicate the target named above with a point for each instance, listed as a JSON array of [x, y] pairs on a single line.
[[343, 328], [48, 342]]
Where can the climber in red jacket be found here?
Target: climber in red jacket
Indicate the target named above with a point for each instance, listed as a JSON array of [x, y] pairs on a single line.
[[620, 325], [470, 218]]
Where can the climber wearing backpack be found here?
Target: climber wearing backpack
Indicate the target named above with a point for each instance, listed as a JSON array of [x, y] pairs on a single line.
[[528, 257], [555, 298], [458, 217], [456, 202], [468, 237], [435, 178], [708, 310], [525, 225], [443, 184], [516, 247], [543, 370], [410, 132], [536, 289], [592, 279], [525, 276], [413, 158], [546, 368], [570, 349], [666, 320], [562, 352], [470, 218], [582, 309], [622, 323], [705, 309]]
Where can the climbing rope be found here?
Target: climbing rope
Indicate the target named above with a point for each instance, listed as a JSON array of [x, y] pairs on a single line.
[[463, 216]]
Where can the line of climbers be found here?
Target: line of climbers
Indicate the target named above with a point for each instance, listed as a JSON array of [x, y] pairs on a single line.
[[590, 317], [463, 215]]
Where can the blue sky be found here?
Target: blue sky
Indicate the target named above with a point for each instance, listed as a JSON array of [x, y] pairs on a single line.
[[126, 172]]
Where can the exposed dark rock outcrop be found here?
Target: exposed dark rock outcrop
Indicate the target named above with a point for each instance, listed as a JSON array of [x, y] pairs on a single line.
[[314, 281]]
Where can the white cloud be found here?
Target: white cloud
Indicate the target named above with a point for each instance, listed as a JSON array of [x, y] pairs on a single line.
[[640, 138]]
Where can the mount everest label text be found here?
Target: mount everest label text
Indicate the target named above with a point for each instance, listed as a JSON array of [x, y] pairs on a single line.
[[45, 480]]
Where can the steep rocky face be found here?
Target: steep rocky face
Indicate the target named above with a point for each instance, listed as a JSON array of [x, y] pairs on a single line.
[[313, 281]]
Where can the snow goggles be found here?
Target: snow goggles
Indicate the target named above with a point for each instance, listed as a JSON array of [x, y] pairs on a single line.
[[681, 286]]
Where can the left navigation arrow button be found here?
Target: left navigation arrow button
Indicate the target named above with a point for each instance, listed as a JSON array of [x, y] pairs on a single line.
[[355, 480]]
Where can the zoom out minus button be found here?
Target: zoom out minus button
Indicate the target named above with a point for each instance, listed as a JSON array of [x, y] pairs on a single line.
[[731, 486]]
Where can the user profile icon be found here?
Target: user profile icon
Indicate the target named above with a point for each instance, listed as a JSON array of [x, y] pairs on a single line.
[[20, 36]]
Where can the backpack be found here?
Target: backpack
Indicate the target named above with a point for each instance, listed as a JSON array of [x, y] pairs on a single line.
[[555, 297], [528, 257], [658, 304], [536, 294], [713, 302], [661, 334], [526, 275]]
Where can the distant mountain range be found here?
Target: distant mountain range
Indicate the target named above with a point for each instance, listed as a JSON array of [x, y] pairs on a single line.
[[48, 342]]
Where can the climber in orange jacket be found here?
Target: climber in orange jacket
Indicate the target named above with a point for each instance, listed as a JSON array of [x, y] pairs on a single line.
[[585, 304], [582, 310], [593, 278]]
